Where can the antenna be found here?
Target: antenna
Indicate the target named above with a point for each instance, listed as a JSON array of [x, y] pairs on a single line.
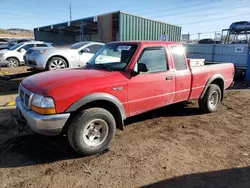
[[70, 12]]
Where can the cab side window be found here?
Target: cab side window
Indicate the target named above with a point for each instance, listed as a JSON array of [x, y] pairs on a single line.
[[178, 55], [155, 59]]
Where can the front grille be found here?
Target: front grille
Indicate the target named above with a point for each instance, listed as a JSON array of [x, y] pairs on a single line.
[[25, 96]]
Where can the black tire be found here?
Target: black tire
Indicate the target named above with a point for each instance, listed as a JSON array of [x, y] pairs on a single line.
[[81, 122], [205, 102], [13, 62], [56, 60]]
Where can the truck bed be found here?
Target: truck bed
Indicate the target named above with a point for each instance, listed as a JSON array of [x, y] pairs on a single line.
[[202, 74]]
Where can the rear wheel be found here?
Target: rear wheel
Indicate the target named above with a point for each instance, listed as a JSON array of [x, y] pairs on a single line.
[[13, 62], [211, 100], [91, 131], [56, 63]]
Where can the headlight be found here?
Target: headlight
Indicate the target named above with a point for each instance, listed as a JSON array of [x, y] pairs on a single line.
[[37, 100], [43, 105]]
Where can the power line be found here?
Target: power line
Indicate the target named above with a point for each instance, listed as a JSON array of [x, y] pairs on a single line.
[[171, 12], [204, 33], [209, 14], [195, 8], [28, 4], [163, 8], [218, 18], [26, 15]]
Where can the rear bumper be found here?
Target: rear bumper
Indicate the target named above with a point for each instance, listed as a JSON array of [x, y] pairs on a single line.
[[38, 61], [43, 124], [34, 66]]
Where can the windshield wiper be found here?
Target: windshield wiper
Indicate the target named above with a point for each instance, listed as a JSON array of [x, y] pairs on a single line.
[[88, 65], [99, 66], [105, 66]]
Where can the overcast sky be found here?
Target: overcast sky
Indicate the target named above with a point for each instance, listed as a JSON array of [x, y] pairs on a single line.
[[204, 16]]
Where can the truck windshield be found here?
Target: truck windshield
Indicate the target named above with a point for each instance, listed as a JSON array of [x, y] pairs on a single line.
[[114, 56]]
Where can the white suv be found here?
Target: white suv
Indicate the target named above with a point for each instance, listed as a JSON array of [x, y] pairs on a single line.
[[13, 56], [59, 58]]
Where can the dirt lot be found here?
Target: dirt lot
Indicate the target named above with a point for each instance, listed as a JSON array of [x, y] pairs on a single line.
[[176, 146], [8, 89]]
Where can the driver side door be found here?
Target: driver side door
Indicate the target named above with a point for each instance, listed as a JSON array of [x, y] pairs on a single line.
[[150, 90]]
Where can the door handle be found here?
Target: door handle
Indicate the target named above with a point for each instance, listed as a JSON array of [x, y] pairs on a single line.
[[169, 78]]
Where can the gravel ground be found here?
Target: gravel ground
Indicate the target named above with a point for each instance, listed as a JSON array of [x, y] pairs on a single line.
[[176, 146]]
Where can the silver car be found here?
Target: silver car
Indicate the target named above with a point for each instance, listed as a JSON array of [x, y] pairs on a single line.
[[242, 25], [13, 56], [59, 58]]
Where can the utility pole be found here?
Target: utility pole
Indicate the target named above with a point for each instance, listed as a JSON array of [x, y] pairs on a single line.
[[70, 12], [199, 35], [215, 35]]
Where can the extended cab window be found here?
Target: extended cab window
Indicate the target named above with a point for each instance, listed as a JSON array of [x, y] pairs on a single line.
[[155, 59], [178, 57]]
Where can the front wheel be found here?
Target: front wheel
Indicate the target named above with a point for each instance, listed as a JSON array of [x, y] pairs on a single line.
[[56, 63], [91, 131], [211, 100], [12, 62]]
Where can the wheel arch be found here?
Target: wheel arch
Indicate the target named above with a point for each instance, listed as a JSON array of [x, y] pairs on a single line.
[[14, 57], [217, 79], [103, 100], [64, 58]]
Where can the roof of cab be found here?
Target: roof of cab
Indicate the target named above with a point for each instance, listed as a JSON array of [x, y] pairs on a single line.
[[147, 42]]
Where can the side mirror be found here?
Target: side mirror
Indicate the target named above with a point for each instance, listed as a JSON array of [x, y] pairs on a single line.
[[22, 50], [86, 50], [142, 67]]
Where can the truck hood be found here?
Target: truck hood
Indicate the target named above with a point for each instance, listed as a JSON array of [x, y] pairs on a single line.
[[43, 83]]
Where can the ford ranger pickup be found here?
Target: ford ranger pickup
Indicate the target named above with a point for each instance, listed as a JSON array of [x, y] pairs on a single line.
[[121, 80]]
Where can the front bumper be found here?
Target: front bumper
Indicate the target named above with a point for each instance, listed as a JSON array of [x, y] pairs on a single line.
[[3, 62], [43, 124]]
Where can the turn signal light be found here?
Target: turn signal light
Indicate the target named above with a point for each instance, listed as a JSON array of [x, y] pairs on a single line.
[[44, 111]]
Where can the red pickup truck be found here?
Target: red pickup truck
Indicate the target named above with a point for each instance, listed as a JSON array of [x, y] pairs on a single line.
[[122, 80]]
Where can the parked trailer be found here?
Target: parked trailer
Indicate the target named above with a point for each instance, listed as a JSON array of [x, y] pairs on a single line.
[[235, 53]]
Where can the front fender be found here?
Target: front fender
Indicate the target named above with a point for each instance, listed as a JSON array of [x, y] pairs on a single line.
[[95, 97]]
